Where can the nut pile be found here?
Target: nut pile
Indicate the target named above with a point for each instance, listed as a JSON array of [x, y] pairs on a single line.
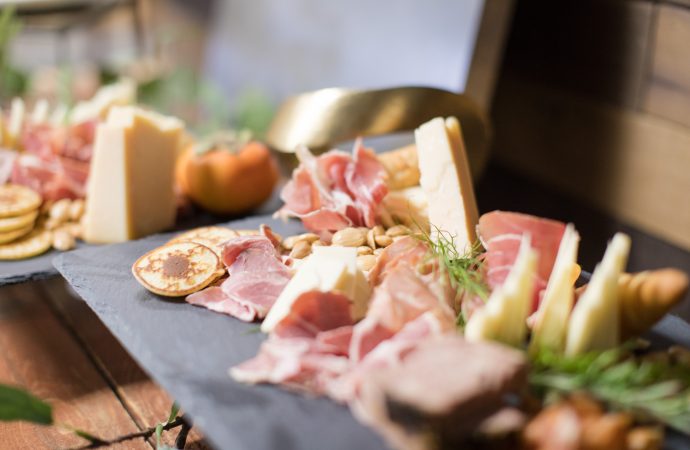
[[63, 218], [369, 242]]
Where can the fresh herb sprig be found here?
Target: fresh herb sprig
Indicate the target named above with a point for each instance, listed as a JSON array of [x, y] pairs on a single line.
[[645, 387], [463, 269]]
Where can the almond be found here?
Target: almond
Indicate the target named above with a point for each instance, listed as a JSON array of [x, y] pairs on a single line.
[[383, 240], [398, 230], [366, 262], [364, 250], [300, 250], [289, 242], [350, 237]]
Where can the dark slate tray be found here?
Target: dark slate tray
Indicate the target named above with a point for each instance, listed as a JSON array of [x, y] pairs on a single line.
[[188, 350], [41, 267]]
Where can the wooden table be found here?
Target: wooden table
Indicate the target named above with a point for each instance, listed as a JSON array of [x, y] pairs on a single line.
[[54, 346]]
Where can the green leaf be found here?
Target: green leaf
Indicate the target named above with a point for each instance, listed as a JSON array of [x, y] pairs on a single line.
[[173, 412], [18, 404], [159, 433]]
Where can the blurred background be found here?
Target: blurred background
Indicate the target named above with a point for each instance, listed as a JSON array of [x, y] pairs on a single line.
[[590, 98]]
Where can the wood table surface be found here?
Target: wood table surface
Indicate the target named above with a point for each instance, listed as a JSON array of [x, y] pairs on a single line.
[[53, 345]]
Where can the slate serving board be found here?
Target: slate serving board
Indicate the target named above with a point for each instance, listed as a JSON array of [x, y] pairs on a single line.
[[188, 350]]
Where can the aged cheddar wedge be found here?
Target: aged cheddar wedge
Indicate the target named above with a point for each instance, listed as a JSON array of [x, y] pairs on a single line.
[[504, 318], [446, 180], [595, 322], [130, 190], [551, 325]]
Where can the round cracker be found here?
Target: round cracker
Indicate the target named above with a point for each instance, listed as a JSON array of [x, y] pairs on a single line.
[[17, 222], [13, 235], [33, 244], [213, 237], [16, 200], [177, 269]]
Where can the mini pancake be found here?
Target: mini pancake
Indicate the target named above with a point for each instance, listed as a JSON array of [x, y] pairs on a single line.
[[17, 222], [13, 235], [177, 269], [212, 237], [33, 244], [16, 200]]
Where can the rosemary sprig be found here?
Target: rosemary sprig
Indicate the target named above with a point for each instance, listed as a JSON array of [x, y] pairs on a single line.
[[463, 269], [648, 389]]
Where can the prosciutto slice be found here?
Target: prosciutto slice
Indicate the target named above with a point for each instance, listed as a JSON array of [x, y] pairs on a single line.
[[500, 232], [307, 349], [256, 277], [335, 190]]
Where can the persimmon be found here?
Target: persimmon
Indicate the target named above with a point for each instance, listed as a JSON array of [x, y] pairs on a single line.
[[228, 174]]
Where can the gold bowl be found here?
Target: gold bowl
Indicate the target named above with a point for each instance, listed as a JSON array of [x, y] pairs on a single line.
[[321, 119]]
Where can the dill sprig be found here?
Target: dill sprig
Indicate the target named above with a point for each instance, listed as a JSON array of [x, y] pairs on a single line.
[[463, 269], [647, 388]]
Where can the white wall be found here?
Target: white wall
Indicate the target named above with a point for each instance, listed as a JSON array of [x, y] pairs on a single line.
[[288, 46]]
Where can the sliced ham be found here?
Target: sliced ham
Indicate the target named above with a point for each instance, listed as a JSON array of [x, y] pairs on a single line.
[[54, 177], [256, 277], [7, 158], [307, 349], [500, 233], [335, 190], [408, 251], [403, 296]]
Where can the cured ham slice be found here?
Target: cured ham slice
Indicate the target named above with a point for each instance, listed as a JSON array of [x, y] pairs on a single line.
[[7, 158], [408, 251], [403, 296], [256, 278], [307, 349], [335, 190], [54, 178], [501, 232]]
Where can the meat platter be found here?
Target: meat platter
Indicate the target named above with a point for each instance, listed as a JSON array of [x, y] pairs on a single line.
[[392, 296]]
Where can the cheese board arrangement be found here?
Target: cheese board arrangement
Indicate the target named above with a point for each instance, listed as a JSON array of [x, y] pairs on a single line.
[[383, 297], [109, 170]]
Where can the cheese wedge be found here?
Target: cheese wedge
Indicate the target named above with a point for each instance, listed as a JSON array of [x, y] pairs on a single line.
[[15, 123], [39, 114], [551, 325], [595, 322], [130, 192], [408, 206], [314, 274], [357, 287], [327, 269], [122, 93], [446, 181], [504, 318]]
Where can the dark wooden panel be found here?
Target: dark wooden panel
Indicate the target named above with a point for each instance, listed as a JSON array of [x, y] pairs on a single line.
[[40, 355], [668, 87], [596, 48], [631, 165]]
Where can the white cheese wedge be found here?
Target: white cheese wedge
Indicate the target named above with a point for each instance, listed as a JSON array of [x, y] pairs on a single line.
[[39, 114], [446, 180], [356, 287], [408, 206], [15, 123], [121, 93], [130, 192], [595, 322], [504, 318], [59, 115], [318, 273], [551, 325]]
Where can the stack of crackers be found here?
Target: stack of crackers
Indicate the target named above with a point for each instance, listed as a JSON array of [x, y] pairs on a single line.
[[20, 234]]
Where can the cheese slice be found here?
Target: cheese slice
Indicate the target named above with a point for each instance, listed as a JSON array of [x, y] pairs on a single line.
[[551, 324], [39, 114], [408, 206], [504, 318], [446, 181], [15, 123], [315, 274], [357, 287], [122, 93], [130, 192], [595, 322]]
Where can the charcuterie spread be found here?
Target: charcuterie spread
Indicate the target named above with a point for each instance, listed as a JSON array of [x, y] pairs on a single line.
[[439, 327]]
